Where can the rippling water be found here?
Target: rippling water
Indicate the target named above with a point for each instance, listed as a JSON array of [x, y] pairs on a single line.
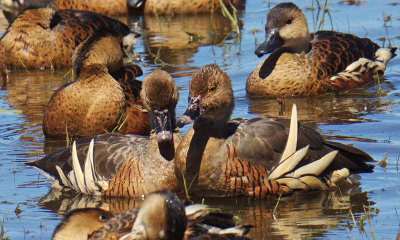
[[366, 118]]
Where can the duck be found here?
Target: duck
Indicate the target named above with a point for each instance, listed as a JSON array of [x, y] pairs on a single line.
[[44, 38], [109, 7], [125, 165], [167, 7], [104, 95], [125, 7], [304, 64], [162, 215], [256, 157], [183, 7]]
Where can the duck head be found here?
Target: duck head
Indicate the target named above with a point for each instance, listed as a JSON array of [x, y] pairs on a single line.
[[161, 216], [286, 29], [102, 48], [160, 96], [80, 223], [210, 97]]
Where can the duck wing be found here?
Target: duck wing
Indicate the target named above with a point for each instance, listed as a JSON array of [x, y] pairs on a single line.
[[126, 77], [331, 52], [111, 150], [261, 142], [76, 26]]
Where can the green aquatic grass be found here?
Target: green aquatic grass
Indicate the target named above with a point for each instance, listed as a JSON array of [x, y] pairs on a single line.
[[3, 229], [232, 17], [319, 19]]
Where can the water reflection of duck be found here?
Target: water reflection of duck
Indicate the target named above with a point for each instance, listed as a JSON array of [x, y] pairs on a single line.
[[304, 64], [104, 95], [299, 216], [328, 109], [247, 158], [174, 40], [123, 165], [161, 216], [45, 38]]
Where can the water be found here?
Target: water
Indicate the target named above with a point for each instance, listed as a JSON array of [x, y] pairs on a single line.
[[365, 118]]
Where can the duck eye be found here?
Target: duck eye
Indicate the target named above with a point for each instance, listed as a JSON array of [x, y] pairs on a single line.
[[289, 21], [211, 89], [103, 218]]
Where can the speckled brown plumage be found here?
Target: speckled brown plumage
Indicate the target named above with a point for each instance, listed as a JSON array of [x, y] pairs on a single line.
[[108, 7], [45, 38], [235, 158], [97, 102], [170, 7], [125, 164], [306, 64]]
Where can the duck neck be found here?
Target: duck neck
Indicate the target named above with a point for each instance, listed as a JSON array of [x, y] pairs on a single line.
[[195, 146], [166, 150]]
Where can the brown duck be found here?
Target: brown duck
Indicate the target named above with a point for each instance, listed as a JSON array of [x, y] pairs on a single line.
[[128, 165], [107, 7], [172, 7], [45, 38], [104, 96], [165, 7], [303, 64], [161, 216], [251, 157]]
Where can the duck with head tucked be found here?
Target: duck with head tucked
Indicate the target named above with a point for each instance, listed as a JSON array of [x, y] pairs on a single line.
[[255, 157], [125, 165], [172, 7], [104, 95], [161, 216], [165, 7], [45, 38], [304, 64]]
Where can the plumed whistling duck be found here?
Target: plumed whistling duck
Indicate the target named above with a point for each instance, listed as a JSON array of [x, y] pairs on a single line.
[[166, 7], [161, 216], [45, 38], [108, 7], [304, 64], [172, 7], [255, 157], [128, 165], [104, 96]]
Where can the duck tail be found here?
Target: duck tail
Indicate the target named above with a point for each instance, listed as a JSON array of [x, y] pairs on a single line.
[[352, 158], [393, 50]]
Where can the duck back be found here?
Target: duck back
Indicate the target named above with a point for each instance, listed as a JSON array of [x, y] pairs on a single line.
[[44, 37], [331, 52]]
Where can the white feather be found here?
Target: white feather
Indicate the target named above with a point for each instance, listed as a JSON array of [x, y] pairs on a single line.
[[63, 178], [289, 164], [77, 170], [89, 170], [315, 168], [291, 143]]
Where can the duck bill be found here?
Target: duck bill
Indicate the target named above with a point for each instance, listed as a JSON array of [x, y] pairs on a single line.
[[272, 42], [135, 3], [162, 125], [191, 113]]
